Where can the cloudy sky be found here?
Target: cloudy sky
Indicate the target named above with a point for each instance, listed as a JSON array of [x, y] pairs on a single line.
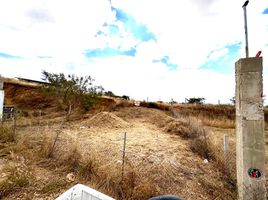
[[160, 49]]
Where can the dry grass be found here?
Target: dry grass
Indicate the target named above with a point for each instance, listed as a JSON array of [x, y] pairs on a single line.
[[204, 147], [46, 146], [222, 123], [53, 186], [17, 176], [201, 143], [105, 178], [211, 115], [192, 129], [156, 163], [7, 133]]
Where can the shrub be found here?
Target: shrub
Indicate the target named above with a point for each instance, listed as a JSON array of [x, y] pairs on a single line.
[[199, 100], [160, 106], [202, 147]]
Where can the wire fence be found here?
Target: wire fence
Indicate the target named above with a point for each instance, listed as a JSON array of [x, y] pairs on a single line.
[[222, 157]]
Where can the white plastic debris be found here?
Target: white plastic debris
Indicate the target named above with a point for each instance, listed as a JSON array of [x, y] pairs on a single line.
[[82, 192], [137, 103], [83, 127], [205, 161]]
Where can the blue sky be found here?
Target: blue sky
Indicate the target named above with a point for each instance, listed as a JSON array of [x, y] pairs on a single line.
[[8, 56], [225, 63], [145, 49]]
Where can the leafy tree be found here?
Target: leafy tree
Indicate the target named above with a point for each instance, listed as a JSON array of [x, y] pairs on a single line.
[[125, 97], [109, 94], [199, 100], [72, 91]]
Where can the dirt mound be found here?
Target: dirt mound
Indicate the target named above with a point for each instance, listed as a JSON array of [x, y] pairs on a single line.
[[107, 120], [148, 115]]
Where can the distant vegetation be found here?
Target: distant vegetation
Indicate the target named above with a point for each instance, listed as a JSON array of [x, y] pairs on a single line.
[[159, 106], [111, 94], [198, 100]]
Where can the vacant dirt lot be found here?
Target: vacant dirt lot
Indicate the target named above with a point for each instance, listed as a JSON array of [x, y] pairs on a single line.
[[156, 162]]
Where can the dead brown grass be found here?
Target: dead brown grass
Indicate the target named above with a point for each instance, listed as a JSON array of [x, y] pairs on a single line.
[[156, 163], [46, 145], [201, 143], [18, 175], [7, 133], [106, 178], [211, 115], [192, 129], [53, 186]]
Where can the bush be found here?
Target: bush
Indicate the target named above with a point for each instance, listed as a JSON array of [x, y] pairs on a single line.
[[148, 104], [155, 105], [89, 101], [199, 100], [202, 147]]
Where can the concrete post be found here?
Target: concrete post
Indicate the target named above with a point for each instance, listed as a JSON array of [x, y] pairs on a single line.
[[250, 155], [1, 98]]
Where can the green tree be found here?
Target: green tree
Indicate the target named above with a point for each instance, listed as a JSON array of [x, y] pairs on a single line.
[[125, 97], [198, 100], [109, 94], [72, 91]]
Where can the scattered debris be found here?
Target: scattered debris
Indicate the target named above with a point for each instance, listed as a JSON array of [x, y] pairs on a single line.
[[70, 177]]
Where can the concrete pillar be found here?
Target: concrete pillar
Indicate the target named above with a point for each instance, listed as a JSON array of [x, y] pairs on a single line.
[[1, 98], [250, 155]]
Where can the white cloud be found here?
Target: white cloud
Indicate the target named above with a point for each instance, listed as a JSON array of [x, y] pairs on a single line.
[[219, 53], [185, 31], [70, 28]]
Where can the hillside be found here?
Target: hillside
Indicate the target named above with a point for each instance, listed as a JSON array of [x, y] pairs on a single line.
[[24, 95]]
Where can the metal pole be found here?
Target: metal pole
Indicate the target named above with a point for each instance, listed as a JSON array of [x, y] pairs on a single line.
[[15, 122], [246, 27], [226, 150]]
